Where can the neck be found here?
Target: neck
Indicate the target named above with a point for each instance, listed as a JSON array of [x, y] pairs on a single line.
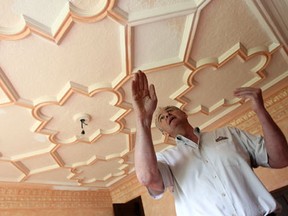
[[188, 131]]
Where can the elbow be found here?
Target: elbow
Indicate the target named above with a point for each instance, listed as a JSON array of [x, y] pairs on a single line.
[[279, 160], [284, 161], [284, 164], [148, 179], [279, 164], [145, 180]]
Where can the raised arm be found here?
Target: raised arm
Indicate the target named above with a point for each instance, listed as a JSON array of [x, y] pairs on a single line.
[[144, 101], [275, 141]]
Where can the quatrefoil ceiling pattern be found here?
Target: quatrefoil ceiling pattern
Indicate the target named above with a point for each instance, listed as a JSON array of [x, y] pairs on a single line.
[[60, 60]]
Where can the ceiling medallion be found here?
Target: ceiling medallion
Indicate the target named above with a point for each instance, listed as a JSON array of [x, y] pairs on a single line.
[[84, 119]]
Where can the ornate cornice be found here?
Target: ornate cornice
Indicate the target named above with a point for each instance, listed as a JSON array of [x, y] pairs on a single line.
[[30, 198], [274, 105], [127, 189]]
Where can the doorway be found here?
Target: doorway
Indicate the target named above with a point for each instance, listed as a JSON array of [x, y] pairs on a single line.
[[131, 208]]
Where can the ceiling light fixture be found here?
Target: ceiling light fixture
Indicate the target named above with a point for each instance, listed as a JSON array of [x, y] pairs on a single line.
[[84, 119], [83, 123]]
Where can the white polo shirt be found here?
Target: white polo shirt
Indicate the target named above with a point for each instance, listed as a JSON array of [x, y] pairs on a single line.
[[215, 177]]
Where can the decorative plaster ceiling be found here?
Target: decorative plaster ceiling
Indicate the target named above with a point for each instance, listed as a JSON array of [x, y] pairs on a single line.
[[60, 60]]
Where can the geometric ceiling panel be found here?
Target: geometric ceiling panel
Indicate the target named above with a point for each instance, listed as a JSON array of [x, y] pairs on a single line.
[[64, 124], [4, 98], [56, 176], [7, 92], [65, 61], [275, 14], [105, 148], [10, 20], [47, 19], [78, 66], [274, 72], [9, 172], [40, 163], [251, 30], [130, 6], [239, 71], [162, 33], [20, 121], [100, 171]]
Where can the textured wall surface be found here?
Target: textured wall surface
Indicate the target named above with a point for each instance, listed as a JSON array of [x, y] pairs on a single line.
[[18, 200]]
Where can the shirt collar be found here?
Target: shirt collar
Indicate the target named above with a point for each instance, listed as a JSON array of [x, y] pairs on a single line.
[[185, 141]]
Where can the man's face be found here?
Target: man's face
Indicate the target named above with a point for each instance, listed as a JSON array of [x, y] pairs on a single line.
[[169, 118]]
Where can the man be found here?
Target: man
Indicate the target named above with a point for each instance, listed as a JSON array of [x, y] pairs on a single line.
[[209, 173]]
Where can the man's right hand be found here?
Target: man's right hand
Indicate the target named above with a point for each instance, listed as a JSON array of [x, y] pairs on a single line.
[[144, 99]]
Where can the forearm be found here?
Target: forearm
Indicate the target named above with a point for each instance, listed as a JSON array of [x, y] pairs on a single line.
[[145, 157], [275, 141]]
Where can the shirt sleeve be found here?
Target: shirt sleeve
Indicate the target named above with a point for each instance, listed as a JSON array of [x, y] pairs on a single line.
[[167, 179], [255, 146]]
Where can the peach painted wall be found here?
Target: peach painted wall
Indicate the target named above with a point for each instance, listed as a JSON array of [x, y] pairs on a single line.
[[275, 178], [162, 207], [56, 212], [130, 189], [17, 199]]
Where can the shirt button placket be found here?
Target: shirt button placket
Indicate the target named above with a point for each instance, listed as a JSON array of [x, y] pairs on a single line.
[[218, 182]]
